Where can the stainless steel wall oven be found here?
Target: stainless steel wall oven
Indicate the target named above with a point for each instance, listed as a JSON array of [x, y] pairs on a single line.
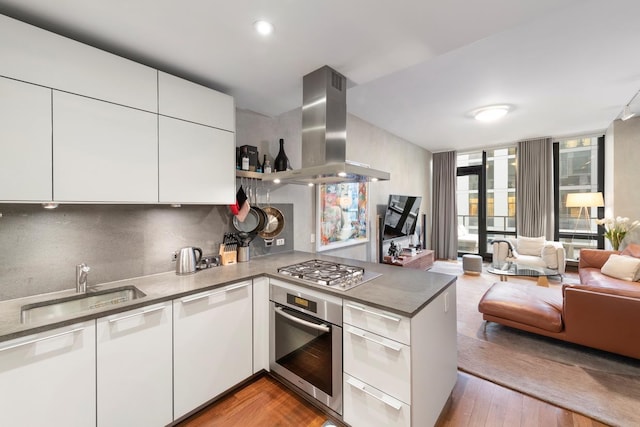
[[306, 341]]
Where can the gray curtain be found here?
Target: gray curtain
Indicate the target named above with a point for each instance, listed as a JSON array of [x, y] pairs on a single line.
[[444, 238], [534, 188]]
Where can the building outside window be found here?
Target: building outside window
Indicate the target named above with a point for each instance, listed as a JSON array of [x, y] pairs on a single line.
[[499, 197], [579, 169], [501, 192]]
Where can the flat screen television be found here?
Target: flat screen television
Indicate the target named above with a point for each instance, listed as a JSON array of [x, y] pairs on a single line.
[[401, 216]]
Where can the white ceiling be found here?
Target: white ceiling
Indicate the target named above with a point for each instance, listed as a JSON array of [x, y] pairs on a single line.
[[416, 67]]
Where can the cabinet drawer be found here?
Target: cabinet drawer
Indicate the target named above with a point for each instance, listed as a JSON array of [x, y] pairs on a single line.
[[365, 405], [389, 325], [379, 361]]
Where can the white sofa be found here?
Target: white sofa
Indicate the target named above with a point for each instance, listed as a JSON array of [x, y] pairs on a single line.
[[534, 251]]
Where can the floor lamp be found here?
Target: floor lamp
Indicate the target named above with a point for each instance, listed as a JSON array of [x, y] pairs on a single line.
[[584, 201]]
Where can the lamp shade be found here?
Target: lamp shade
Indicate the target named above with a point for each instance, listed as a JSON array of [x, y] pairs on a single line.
[[589, 200]]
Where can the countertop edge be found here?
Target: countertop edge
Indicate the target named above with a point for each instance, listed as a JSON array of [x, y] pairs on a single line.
[[18, 330]]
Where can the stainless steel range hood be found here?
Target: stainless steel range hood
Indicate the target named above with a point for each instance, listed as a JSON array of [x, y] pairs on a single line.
[[324, 135]]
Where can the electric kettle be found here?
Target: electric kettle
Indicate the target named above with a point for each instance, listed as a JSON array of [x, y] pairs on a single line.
[[186, 261]]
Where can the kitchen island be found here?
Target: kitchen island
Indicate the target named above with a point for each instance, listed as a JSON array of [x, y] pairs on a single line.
[[423, 301]]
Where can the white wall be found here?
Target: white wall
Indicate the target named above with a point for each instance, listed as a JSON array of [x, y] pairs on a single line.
[[408, 164], [624, 172]]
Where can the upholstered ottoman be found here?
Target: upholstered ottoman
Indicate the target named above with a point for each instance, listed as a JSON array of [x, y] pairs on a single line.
[[525, 306], [472, 264]]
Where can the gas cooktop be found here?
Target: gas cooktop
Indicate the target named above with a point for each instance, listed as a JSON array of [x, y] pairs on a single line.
[[326, 273]]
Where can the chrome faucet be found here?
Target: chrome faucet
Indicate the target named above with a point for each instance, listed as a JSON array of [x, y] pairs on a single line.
[[82, 272]]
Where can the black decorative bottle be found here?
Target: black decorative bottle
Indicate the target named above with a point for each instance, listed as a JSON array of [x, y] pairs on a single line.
[[258, 165], [282, 161]]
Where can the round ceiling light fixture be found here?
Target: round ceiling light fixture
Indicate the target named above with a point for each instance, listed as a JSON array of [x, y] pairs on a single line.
[[490, 113], [264, 28]]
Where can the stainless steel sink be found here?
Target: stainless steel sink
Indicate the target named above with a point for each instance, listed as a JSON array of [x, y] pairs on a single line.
[[52, 309]]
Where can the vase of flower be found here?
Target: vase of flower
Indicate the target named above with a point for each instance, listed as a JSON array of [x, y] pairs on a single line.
[[616, 229]]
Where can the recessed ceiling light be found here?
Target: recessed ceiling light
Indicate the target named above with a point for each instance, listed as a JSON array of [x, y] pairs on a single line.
[[263, 28], [491, 113], [49, 205]]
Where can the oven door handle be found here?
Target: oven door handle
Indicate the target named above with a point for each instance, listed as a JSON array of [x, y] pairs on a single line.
[[323, 327]]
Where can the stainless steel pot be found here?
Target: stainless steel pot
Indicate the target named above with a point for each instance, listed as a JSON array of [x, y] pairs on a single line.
[[274, 225]]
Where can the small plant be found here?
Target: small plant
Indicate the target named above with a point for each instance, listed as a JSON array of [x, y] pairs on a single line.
[[616, 229]]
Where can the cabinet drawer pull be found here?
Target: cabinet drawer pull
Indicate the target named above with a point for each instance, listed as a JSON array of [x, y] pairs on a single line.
[[212, 293], [322, 327], [384, 399], [33, 341], [140, 313], [396, 347], [385, 316]]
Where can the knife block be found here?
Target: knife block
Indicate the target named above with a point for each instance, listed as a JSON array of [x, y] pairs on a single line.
[[227, 257]]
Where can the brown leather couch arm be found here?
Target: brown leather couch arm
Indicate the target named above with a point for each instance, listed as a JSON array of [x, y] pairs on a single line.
[[604, 321], [594, 258]]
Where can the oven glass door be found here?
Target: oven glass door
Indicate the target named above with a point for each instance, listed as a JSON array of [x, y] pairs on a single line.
[[307, 350]]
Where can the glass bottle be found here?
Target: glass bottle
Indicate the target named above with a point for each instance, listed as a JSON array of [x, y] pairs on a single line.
[[266, 166], [258, 165], [282, 161], [238, 159], [245, 159]]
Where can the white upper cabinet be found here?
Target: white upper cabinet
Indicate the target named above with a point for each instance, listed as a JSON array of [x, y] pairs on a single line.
[[25, 142], [103, 152], [196, 163], [34, 55], [189, 101], [78, 124]]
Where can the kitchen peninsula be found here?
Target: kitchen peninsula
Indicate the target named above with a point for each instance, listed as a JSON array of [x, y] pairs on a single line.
[[401, 369]]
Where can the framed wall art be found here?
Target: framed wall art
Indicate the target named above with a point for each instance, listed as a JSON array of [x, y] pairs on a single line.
[[343, 215]]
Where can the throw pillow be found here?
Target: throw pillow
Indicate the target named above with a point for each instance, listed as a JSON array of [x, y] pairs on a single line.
[[621, 267], [550, 256], [530, 245], [632, 249]]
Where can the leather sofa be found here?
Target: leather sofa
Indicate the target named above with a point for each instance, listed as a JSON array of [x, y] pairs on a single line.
[[601, 312], [550, 254]]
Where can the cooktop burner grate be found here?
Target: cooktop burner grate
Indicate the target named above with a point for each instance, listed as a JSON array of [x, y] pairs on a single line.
[[325, 273]]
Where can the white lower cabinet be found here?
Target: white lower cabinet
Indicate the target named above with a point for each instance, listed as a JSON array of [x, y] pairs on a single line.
[[49, 379], [399, 371], [365, 405], [212, 344], [134, 367], [260, 324]]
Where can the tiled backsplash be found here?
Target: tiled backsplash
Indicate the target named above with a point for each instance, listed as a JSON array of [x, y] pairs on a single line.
[[39, 248]]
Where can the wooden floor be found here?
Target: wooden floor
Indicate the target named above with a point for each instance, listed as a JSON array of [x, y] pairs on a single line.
[[474, 402]]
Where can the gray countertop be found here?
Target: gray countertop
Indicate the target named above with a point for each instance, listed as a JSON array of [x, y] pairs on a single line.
[[403, 291]]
